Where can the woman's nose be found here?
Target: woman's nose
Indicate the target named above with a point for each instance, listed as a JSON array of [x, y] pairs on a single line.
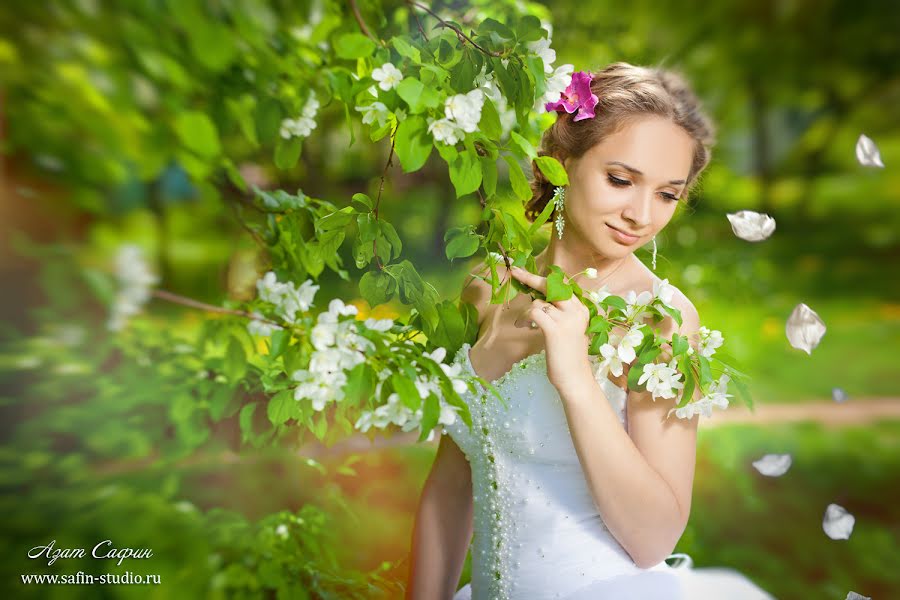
[[638, 211]]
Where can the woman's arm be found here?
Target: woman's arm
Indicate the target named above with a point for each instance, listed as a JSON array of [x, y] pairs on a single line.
[[443, 527], [444, 520], [641, 479]]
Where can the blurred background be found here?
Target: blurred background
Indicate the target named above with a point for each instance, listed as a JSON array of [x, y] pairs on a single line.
[[105, 434]]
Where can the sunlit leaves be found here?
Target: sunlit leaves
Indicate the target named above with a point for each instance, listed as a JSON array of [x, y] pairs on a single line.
[[353, 45], [413, 146], [520, 186], [198, 133], [417, 95], [552, 170]]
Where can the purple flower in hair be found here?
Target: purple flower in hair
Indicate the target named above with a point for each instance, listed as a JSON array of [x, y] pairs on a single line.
[[577, 97]]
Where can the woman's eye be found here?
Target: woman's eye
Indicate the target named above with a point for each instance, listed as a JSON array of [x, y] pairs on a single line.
[[618, 182], [670, 197]]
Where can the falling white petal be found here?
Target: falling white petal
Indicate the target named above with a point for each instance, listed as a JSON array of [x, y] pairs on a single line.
[[750, 225], [867, 152], [838, 395], [855, 596], [804, 328], [773, 465], [838, 523]]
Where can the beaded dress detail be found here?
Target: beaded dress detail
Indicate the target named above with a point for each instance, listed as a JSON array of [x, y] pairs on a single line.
[[537, 532]]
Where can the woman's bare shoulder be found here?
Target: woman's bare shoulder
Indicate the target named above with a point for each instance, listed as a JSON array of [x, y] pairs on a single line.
[[477, 291]]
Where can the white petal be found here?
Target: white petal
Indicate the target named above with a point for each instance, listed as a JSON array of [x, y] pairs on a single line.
[[804, 328], [855, 596], [838, 395], [867, 152], [773, 465], [751, 226], [838, 523]]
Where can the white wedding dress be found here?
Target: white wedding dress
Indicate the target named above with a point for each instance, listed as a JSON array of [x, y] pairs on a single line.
[[537, 532]]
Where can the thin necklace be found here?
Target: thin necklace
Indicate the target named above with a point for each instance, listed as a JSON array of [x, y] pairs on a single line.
[[612, 272]]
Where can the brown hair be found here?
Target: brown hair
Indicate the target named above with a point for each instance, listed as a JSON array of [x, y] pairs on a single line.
[[624, 91]]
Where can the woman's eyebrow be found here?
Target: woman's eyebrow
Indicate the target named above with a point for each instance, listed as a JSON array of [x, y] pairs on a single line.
[[637, 172]]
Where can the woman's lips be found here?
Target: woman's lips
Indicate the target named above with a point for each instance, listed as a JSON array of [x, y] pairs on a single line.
[[621, 236]]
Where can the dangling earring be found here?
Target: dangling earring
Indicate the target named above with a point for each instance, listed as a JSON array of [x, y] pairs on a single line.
[[559, 198], [654, 252]]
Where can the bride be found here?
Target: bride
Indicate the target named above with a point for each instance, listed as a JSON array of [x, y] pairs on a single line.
[[576, 488]]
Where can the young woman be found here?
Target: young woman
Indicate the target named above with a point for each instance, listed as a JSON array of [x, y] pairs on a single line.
[[577, 488]]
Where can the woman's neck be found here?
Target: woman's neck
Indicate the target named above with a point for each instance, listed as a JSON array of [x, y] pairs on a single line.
[[609, 270]]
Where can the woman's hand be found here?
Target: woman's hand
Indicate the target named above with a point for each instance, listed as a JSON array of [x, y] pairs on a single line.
[[564, 324]]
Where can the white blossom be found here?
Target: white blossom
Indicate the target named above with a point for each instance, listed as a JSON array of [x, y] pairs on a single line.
[[542, 48], [303, 125], [388, 76], [611, 363], [135, 281], [750, 225], [634, 303], [261, 328], [590, 273], [444, 130], [709, 341], [282, 531], [377, 111], [804, 328], [556, 85], [287, 298], [773, 465], [837, 522], [465, 109], [717, 396], [867, 152], [661, 379], [663, 291], [625, 346]]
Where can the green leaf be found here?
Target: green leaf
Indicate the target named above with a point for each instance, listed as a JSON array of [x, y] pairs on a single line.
[[557, 288], [280, 339], [615, 302], [417, 95], [676, 314], [235, 365], [463, 242], [679, 344], [363, 199], [287, 152], [430, 413], [490, 121], [377, 287], [553, 170], [246, 420], [744, 392], [409, 394], [281, 407], [520, 186], [198, 133], [405, 48], [413, 144], [542, 218], [465, 173], [353, 45], [488, 175], [523, 145]]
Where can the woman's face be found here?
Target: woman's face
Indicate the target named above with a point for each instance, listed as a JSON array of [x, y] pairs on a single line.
[[632, 182]]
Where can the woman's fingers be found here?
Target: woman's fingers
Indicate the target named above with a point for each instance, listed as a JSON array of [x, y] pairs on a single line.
[[530, 279]]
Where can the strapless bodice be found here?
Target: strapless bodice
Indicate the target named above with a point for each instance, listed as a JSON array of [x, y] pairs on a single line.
[[534, 515]]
